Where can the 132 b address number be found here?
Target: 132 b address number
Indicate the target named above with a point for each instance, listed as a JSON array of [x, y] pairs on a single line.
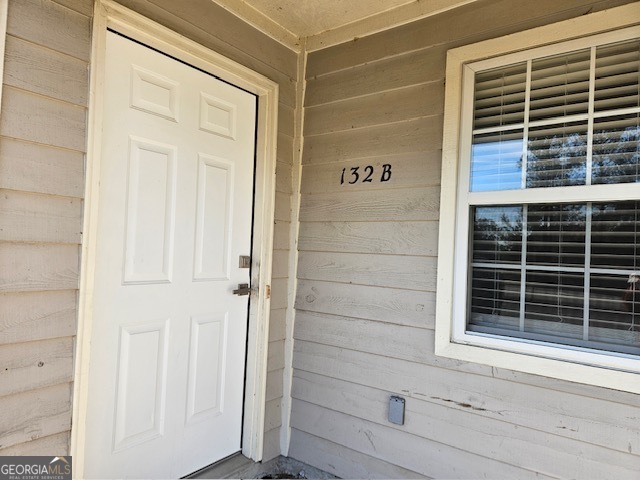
[[367, 175]]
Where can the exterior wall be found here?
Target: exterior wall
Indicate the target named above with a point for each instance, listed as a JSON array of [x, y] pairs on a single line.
[[42, 147], [42, 152], [366, 284]]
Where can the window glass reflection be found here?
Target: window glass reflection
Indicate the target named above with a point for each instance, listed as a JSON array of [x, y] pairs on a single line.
[[614, 235], [496, 161], [556, 234], [614, 308], [616, 149], [557, 155], [554, 303], [497, 234], [495, 298], [530, 266]]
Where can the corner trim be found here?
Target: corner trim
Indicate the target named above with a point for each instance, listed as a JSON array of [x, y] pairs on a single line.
[[4, 15]]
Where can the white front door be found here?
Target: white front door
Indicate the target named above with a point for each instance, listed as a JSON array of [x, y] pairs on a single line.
[[168, 341]]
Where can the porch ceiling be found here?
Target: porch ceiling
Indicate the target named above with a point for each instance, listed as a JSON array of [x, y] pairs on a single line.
[[321, 23]]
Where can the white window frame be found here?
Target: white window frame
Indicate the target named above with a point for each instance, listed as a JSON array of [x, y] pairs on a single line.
[[617, 371]]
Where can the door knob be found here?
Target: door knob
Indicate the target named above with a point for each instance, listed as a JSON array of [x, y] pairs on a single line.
[[243, 289]]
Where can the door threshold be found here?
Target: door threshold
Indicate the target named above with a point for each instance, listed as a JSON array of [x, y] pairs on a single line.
[[239, 466], [225, 468]]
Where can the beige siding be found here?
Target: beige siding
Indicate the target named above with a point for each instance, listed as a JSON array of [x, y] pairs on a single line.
[[42, 154], [34, 414], [35, 364], [48, 23], [42, 446], [210, 25], [366, 273], [31, 167], [29, 316], [366, 284], [341, 460], [42, 145]]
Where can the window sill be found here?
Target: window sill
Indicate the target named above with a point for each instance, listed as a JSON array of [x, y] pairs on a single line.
[[563, 369]]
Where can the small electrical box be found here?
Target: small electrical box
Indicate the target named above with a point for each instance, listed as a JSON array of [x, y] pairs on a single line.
[[396, 410]]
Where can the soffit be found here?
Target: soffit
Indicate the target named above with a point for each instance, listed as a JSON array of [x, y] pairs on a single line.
[[322, 23]]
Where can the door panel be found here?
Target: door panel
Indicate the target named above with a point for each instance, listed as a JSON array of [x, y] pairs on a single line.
[[206, 366], [166, 374], [215, 195], [150, 211], [141, 388]]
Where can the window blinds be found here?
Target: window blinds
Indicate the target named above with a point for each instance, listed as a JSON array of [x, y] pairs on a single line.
[[558, 272], [562, 99]]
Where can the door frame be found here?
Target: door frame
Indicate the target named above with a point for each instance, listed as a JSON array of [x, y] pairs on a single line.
[[108, 14]]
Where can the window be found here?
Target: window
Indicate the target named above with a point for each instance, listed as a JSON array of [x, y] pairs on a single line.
[[542, 172]]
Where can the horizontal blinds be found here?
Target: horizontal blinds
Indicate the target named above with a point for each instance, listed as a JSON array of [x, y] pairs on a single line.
[[557, 155], [617, 76], [615, 233], [500, 96], [560, 86], [495, 293], [535, 267], [554, 300], [614, 309], [616, 149], [563, 273], [546, 105], [556, 235], [497, 234]]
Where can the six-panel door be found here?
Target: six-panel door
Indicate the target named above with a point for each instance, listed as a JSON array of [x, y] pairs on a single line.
[[175, 207]]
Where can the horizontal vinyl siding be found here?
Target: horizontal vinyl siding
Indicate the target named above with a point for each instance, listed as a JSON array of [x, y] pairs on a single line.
[[340, 459], [42, 149], [365, 301], [42, 154]]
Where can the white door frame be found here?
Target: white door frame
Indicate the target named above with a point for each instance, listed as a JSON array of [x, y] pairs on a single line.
[[108, 14]]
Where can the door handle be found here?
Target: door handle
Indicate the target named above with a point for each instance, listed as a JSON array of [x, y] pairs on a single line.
[[243, 289]]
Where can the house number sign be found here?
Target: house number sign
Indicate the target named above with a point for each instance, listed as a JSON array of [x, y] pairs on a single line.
[[367, 174]]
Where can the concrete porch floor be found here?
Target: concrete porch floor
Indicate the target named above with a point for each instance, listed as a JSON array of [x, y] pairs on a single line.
[[239, 466]]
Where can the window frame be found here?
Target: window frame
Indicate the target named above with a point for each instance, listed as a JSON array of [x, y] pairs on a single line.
[[451, 340]]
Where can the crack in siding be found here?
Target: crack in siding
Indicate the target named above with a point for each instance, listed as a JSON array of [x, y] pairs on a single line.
[[567, 428], [463, 405]]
